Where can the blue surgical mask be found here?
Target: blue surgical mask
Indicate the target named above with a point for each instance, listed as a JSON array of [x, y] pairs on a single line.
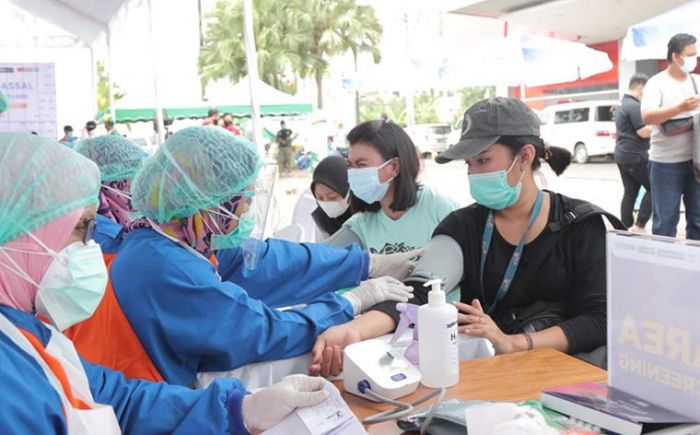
[[73, 285], [234, 239], [492, 189], [689, 64], [365, 184]]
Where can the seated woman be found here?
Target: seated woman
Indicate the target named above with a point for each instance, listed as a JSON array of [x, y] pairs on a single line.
[[119, 159], [169, 314], [531, 263], [393, 213], [331, 190]]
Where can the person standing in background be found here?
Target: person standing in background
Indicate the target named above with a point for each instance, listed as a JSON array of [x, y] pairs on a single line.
[[632, 154], [284, 140], [212, 117], [670, 98], [230, 125], [89, 129], [68, 138], [109, 126]]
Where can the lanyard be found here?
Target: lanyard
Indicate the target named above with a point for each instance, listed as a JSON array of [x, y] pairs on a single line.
[[514, 259]]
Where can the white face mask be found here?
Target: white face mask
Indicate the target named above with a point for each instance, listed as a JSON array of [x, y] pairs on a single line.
[[689, 64], [334, 209]]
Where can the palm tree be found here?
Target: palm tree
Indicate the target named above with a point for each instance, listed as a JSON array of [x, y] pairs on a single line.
[[278, 37], [337, 26]]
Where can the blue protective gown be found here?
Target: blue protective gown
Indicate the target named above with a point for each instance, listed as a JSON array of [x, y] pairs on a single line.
[[29, 405], [108, 234], [189, 321]]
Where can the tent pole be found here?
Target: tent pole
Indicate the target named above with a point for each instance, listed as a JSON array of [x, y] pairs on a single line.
[[252, 64], [160, 124], [110, 83]]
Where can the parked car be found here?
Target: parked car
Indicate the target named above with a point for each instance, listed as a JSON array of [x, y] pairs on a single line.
[[430, 138], [585, 128]]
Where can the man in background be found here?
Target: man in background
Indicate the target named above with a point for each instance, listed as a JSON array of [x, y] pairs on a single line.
[[230, 125], [68, 138], [212, 117], [89, 130], [109, 126], [632, 154], [284, 140]]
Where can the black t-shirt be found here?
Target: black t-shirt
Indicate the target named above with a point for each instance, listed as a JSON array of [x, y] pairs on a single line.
[[628, 119], [566, 267], [283, 137]]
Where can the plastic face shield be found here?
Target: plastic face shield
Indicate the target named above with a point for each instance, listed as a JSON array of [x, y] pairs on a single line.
[[254, 245]]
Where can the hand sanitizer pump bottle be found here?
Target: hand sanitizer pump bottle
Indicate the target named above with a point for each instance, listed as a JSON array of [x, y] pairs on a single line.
[[438, 347]]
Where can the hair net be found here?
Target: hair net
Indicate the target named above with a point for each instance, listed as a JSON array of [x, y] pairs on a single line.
[[197, 168], [117, 157], [4, 104], [40, 181]]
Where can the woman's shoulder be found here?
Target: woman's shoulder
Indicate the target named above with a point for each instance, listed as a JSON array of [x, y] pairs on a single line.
[[462, 222], [430, 197]]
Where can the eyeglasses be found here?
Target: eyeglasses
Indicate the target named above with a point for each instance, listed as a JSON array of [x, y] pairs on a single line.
[[88, 229]]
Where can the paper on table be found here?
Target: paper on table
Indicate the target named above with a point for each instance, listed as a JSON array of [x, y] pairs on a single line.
[[331, 416]]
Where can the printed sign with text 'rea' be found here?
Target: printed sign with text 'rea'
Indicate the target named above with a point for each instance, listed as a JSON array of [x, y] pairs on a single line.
[[654, 320], [31, 91]]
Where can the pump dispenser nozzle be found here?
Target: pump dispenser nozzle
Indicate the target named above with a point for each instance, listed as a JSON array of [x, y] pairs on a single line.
[[436, 296]]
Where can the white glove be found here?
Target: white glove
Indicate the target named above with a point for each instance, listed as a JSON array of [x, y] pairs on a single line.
[[398, 265], [267, 407], [377, 290]]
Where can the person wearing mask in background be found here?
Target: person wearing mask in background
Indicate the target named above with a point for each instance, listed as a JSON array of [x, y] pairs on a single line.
[[670, 98], [4, 103], [518, 254], [212, 117], [632, 155], [119, 159], [68, 138], [89, 130], [284, 140], [109, 126], [332, 192], [330, 145], [169, 314], [392, 212], [49, 267], [230, 125]]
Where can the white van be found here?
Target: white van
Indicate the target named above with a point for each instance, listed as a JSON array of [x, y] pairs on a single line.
[[586, 128], [430, 138]]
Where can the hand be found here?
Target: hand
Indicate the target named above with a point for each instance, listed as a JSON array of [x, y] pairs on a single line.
[[374, 291], [267, 407], [475, 322], [398, 265], [327, 353], [688, 105]]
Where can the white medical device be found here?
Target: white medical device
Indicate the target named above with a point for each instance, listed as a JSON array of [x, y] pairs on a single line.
[[374, 365]]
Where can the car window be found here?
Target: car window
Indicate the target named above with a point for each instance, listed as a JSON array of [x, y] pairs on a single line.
[[440, 129], [579, 115], [604, 113], [562, 117]]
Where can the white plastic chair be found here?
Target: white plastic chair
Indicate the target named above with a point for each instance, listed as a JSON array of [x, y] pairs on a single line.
[[305, 205]]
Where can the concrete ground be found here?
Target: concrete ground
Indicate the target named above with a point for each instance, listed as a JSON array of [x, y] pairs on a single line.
[[597, 182]]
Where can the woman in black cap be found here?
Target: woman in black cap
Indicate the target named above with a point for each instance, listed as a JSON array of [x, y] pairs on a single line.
[[530, 263], [330, 188]]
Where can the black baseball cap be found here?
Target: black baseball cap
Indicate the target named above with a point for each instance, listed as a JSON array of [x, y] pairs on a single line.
[[486, 121]]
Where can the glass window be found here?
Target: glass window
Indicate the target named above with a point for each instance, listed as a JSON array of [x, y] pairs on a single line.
[[604, 113], [440, 129], [580, 115], [562, 117]]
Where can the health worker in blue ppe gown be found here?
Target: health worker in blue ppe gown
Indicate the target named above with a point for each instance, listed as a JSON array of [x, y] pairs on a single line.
[[119, 159], [168, 315], [50, 269]]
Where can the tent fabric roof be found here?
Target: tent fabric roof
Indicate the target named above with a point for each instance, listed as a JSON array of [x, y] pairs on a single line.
[[86, 19]]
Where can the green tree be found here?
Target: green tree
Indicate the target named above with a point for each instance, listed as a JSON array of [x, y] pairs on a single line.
[[103, 88], [395, 108], [280, 42], [336, 27]]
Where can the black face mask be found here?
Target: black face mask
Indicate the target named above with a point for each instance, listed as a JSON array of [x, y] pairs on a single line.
[[227, 123]]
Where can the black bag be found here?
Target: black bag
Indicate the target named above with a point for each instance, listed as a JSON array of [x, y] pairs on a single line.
[[674, 127], [536, 317]]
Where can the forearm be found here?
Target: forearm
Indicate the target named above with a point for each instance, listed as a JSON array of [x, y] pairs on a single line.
[[660, 115], [553, 337], [373, 324]]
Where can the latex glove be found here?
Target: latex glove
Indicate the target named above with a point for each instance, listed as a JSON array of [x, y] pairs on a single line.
[[398, 265], [374, 291], [267, 407]]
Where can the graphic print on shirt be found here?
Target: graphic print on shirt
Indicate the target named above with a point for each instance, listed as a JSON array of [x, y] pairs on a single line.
[[392, 248]]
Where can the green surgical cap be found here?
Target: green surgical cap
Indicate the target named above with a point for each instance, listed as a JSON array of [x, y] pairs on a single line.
[[40, 181], [117, 157], [197, 168], [4, 104]]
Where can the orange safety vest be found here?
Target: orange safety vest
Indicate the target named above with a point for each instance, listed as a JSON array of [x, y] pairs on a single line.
[[107, 339]]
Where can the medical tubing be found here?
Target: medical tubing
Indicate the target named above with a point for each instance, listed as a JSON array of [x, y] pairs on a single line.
[[402, 409], [431, 414]]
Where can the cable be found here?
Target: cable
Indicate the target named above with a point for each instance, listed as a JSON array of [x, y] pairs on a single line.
[[401, 409]]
